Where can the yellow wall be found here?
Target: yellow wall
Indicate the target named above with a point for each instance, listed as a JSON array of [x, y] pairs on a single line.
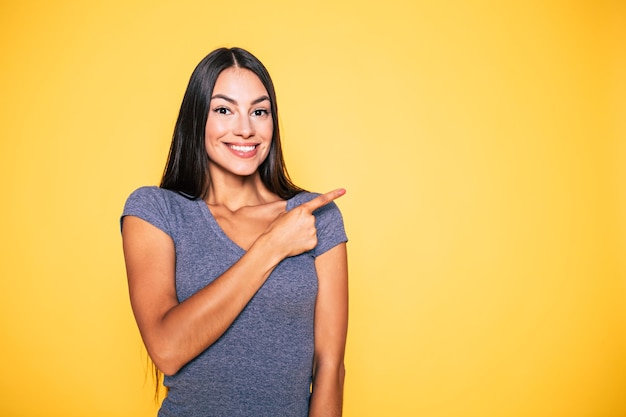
[[482, 145]]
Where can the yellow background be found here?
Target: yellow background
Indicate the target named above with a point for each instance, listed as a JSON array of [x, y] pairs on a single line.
[[482, 144]]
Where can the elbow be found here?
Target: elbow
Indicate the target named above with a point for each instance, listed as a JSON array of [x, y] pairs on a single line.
[[341, 374], [339, 370], [167, 368], [335, 370], [166, 359]]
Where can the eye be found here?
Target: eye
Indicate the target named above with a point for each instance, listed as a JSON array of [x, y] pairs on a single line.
[[260, 112], [221, 110]]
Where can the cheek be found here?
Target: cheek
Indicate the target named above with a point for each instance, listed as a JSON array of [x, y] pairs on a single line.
[[266, 130], [214, 128]]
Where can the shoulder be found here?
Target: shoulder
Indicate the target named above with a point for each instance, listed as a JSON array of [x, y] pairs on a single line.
[[153, 195], [156, 205], [153, 192]]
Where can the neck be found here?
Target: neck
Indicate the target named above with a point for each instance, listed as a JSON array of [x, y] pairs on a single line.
[[235, 192]]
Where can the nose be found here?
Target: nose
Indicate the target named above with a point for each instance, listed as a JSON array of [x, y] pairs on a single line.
[[244, 127]]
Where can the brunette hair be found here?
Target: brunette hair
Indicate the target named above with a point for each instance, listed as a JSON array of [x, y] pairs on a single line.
[[186, 169]]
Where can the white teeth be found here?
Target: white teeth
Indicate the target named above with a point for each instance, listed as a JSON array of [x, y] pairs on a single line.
[[242, 148]]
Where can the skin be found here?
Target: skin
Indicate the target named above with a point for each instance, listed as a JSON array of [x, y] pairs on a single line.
[[255, 219]]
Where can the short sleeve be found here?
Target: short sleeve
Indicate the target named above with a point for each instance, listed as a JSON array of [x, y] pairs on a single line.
[[149, 204], [330, 228], [329, 223]]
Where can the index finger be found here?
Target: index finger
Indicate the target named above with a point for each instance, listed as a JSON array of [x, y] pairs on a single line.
[[322, 200]]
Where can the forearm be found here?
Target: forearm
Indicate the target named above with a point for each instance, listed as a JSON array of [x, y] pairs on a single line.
[[327, 395], [188, 328]]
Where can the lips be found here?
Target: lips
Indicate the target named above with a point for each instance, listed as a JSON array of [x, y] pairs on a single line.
[[242, 148], [243, 151]]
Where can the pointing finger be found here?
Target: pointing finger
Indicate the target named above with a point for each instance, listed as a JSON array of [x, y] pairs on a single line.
[[323, 199]]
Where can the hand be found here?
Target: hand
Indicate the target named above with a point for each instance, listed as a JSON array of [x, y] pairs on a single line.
[[294, 232]]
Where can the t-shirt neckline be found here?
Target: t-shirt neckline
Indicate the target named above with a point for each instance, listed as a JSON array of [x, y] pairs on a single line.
[[217, 229]]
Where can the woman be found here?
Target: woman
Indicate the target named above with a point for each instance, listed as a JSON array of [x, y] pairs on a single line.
[[237, 277]]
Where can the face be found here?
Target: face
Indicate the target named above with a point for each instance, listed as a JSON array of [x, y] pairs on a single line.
[[239, 127]]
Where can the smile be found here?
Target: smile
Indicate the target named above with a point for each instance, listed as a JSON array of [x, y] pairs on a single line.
[[242, 148]]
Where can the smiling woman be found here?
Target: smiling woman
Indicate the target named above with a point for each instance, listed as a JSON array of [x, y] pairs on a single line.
[[237, 277], [239, 126]]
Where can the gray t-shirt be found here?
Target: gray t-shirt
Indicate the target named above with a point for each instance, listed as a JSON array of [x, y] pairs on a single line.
[[261, 366]]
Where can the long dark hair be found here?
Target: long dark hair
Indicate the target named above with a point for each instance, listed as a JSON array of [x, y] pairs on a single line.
[[186, 169]]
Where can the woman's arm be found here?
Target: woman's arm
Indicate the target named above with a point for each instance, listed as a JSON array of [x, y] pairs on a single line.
[[331, 326], [173, 332]]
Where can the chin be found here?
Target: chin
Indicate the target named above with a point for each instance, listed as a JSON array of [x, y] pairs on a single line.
[[245, 171], [237, 168]]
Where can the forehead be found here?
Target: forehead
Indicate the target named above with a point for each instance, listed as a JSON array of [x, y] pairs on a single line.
[[239, 82]]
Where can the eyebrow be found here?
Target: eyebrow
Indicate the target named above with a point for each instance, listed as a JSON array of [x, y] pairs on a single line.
[[233, 101]]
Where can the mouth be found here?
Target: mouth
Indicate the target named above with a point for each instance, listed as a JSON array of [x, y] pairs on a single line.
[[243, 151], [242, 148]]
